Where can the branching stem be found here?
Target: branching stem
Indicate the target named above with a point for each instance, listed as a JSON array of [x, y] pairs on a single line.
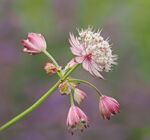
[[37, 103], [88, 83]]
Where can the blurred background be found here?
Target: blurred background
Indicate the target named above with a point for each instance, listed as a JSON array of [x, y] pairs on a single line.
[[23, 80]]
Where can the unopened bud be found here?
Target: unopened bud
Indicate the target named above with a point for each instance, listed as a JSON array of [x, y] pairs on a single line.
[[65, 88], [51, 68]]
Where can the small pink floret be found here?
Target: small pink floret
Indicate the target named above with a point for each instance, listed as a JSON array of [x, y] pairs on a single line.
[[108, 107], [79, 95], [76, 119], [34, 44]]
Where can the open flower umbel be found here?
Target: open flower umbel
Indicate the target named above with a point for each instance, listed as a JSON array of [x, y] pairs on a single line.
[[76, 119], [92, 51]]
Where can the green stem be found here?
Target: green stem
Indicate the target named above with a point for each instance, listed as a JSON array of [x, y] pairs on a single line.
[[70, 71], [71, 99], [37, 103], [85, 82], [60, 73], [31, 108]]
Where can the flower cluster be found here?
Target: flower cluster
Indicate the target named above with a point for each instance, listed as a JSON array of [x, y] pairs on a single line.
[[76, 119], [92, 51], [95, 55]]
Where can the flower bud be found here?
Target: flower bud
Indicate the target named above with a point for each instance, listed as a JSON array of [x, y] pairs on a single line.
[[76, 119], [65, 88], [79, 95], [50, 68], [34, 44], [108, 107]]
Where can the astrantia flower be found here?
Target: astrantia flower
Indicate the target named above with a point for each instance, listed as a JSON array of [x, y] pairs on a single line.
[[76, 119], [50, 68], [108, 107], [34, 44], [92, 51], [79, 95]]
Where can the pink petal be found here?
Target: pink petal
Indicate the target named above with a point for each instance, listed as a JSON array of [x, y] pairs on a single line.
[[79, 59], [75, 51], [37, 39], [76, 47], [71, 64], [86, 65], [96, 73], [28, 45]]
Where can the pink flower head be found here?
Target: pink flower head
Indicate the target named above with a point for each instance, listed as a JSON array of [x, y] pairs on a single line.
[[108, 107], [79, 95], [50, 68], [76, 119], [92, 51], [34, 44]]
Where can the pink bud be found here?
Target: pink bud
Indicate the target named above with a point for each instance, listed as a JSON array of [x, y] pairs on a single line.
[[79, 95], [50, 68], [76, 119], [34, 44], [108, 107]]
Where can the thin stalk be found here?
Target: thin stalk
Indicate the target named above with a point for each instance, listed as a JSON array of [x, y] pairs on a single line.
[[88, 83], [31, 108], [36, 104], [71, 99]]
